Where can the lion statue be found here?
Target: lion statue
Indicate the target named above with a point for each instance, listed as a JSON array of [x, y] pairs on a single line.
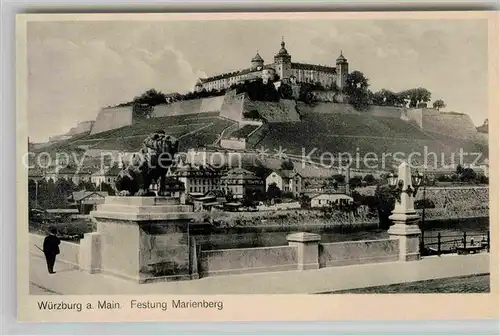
[[150, 164]]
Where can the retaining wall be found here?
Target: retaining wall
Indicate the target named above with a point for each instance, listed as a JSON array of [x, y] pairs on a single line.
[[233, 261], [232, 107], [212, 104], [111, 118], [358, 252], [87, 255]]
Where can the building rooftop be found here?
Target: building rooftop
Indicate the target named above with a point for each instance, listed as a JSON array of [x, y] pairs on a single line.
[[240, 173], [257, 58], [306, 66], [330, 194], [341, 58], [230, 74], [286, 173]]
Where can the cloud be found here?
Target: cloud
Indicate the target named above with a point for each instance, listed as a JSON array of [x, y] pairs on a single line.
[[68, 79]]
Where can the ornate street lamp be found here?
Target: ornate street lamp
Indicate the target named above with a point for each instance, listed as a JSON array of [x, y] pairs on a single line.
[[416, 181], [397, 184], [392, 179]]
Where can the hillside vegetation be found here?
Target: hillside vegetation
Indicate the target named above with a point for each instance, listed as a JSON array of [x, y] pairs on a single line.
[[194, 130], [356, 133]]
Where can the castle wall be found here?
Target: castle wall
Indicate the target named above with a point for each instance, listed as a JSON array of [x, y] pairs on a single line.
[[322, 107], [232, 107], [481, 138], [165, 110], [82, 127], [386, 111], [283, 111], [456, 125], [212, 104], [330, 107], [111, 118]]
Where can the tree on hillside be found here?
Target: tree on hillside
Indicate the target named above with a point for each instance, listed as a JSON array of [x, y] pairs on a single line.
[[439, 104], [287, 165], [386, 97], [107, 187], [151, 97], [258, 90], [468, 175], [385, 204], [285, 91], [356, 88], [141, 110], [422, 105], [86, 185], [273, 191], [339, 178], [416, 96], [355, 182], [142, 106], [369, 179], [306, 93], [252, 114]]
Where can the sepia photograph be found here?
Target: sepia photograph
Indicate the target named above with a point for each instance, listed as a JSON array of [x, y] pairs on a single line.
[[264, 155]]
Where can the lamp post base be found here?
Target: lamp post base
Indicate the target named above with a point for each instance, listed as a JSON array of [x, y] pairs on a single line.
[[409, 240]]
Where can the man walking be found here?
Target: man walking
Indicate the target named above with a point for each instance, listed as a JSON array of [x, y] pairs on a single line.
[[51, 249]]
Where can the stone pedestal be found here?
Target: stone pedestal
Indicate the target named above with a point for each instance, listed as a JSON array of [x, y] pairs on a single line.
[[145, 238], [409, 240], [307, 249]]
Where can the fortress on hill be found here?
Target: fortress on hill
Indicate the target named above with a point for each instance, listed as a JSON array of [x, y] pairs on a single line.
[[225, 121], [283, 68]]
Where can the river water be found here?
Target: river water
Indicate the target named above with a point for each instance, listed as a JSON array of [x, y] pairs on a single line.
[[265, 237]]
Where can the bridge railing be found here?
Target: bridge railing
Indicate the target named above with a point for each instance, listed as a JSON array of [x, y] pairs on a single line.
[[461, 243]]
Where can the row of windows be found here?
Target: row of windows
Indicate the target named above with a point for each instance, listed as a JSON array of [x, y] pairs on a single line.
[[199, 189], [204, 181], [222, 83], [246, 182], [337, 201]]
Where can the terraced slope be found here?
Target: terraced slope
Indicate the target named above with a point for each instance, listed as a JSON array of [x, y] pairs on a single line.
[[193, 130], [355, 133]]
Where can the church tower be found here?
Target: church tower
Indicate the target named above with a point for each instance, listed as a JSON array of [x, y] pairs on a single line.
[[342, 70], [283, 62]]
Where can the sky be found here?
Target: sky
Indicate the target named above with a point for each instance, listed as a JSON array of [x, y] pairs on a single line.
[[76, 68]]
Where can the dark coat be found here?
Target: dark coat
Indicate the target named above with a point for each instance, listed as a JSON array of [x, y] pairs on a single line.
[[51, 245]]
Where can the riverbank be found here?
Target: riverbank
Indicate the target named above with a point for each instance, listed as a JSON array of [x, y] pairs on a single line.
[[362, 218]]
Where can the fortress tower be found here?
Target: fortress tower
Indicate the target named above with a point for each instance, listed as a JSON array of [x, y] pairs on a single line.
[[342, 70], [257, 62], [283, 62], [198, 87]]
